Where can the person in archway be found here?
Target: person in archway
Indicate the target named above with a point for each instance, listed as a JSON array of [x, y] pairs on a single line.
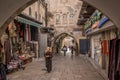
[[48, 58], [72, 49], [64, 49]]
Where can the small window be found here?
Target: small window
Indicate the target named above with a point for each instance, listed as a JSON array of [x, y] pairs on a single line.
[[36, 15], [39, 17], [30, 11], [71, 19]]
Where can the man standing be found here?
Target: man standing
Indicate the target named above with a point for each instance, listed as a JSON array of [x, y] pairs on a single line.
[[72, 49], [65, 49]]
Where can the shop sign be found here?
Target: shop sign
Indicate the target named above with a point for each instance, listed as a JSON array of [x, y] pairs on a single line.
[[95, 25], [88, 30], [93, 19], [102, 21]]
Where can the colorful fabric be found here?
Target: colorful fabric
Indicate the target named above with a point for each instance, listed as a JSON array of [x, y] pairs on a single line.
[[104, 45], [114, 60]]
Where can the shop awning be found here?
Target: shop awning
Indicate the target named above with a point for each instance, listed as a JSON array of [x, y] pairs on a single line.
[[26, 21]]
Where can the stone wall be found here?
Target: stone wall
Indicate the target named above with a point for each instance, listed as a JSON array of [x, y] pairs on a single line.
[[43, 44]]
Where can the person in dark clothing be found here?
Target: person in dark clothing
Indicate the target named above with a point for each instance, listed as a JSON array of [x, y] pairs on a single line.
[[48, 58], [72, 50], [64, 49]]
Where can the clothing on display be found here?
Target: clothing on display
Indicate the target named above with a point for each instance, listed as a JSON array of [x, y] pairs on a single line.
[[7, 49], [114, 60], [104, 45]]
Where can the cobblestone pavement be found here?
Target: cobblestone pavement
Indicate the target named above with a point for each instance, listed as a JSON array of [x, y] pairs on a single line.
[[64, 68]]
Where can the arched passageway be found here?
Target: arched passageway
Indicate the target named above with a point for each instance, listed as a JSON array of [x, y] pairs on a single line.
[[57, 44]]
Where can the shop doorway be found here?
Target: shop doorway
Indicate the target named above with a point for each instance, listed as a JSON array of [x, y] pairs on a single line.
[[84, 46]]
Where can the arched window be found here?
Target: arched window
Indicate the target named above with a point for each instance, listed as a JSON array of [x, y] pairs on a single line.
[[71, 19], [64, 19], [58, 22]]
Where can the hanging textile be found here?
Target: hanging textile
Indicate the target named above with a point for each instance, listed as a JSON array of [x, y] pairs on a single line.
[[104, 45], [7, 51], [26, 30], [29, 36], [21, 30], [114, 60]]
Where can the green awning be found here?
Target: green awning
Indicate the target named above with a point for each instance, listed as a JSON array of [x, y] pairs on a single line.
[[26, 21]]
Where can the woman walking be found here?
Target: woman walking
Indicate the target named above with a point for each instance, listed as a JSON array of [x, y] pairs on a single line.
[[48, 58]]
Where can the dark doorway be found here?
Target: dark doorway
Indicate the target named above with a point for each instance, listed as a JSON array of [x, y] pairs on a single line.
[[84, 46]]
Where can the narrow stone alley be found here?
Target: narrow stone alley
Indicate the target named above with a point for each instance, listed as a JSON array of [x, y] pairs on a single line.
[[64, 68]]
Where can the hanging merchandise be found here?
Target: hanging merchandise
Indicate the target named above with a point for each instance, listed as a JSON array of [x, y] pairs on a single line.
[[7, 50], [29, 35], [104, 45], [12, 29], [105, 52], [114, 60]]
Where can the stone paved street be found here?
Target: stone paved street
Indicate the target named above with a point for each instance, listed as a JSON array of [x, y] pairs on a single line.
[[64, 68]]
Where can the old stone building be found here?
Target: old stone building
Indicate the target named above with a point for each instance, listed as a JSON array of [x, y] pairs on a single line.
[[65, 15], [37, 11]]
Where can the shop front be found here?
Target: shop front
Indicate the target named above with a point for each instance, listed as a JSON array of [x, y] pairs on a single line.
[[20, 43], [100, 31], [96, 48], [99, 39]]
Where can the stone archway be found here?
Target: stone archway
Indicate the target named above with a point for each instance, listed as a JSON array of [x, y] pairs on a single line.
[[59, 38]]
